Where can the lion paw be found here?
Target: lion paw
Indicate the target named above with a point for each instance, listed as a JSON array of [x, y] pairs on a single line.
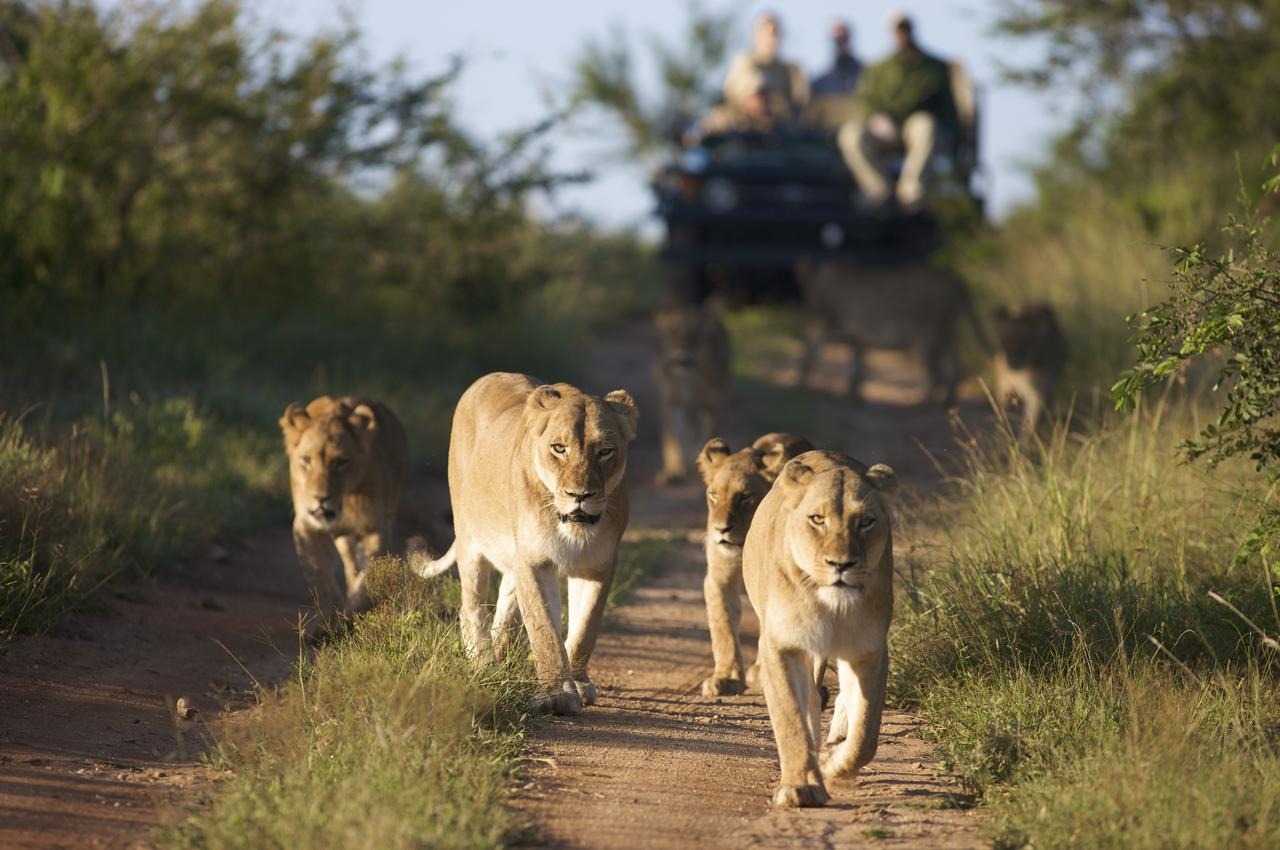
[[588, 692], [722, 686], [564, 703], [800, 796]]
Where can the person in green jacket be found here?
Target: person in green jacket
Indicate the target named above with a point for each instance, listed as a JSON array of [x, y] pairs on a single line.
[[904, 100]]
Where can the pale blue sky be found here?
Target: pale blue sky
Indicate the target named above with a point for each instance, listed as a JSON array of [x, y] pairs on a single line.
[[515, 51]]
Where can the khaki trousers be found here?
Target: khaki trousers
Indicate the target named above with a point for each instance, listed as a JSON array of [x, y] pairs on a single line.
[[863, 152]]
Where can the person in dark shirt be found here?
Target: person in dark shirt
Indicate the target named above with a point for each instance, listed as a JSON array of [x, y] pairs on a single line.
[[904, 100], [842, 78]]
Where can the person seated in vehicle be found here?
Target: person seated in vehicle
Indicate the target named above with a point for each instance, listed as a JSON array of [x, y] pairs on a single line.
[[786, 84], [904, 102], [842, 77], [750, 110], [832, 101]]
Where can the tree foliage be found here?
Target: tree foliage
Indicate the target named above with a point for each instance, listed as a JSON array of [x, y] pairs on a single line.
[[1228, 307], [605, 76], [1164, 85], [161, 153]]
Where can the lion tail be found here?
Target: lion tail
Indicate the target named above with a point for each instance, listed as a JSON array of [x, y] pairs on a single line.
[[422, 564]]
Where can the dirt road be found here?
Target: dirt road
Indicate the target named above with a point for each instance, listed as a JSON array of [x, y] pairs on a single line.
[[91, 754], [655, 764]]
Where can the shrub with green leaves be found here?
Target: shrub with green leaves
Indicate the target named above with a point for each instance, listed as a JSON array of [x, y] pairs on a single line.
[[1226, 307]]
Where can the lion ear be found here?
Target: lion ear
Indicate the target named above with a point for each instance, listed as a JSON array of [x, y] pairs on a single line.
[[771, 460], [544, 397], [796, 473], [294, 421], [712, 455], [624, 407], [363, 421], [883, 478]]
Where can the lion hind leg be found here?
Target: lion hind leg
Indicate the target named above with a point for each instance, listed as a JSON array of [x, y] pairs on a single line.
[[506, 617], [475, 571]]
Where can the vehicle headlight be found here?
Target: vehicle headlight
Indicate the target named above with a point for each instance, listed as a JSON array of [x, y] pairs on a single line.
[[695, 160], [832, 235], [720, 195]]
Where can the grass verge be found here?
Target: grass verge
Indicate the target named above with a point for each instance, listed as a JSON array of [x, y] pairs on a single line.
[[1062, 641], [388, 738]]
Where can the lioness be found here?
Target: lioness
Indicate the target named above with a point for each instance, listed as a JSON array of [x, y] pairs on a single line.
[[536, 479], [736, 482], [818, 564], [1032, 355], [692, 373], [912, 307], [348, 459]]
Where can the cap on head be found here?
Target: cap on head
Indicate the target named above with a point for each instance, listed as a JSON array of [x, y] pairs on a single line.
[[900, 21]]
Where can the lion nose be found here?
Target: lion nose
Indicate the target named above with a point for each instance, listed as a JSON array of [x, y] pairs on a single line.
[[580, 496], [724, 529], [841, 566]]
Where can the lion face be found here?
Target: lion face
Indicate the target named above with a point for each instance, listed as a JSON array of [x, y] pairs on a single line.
[[838, 529], [680, 331], [579, 451], [736, 482], [327, 443]]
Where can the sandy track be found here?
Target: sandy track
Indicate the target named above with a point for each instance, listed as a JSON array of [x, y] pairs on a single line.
[[655, 764], [90, 753]]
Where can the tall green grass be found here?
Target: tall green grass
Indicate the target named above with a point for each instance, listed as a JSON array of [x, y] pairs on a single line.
[[118, 494], [1061, 639]]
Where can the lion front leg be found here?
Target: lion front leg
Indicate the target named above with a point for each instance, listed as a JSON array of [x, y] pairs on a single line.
[[318, 556], [788, 682], [355, 563], [862, 686], [724, 616], [538, 590], [587, 597]]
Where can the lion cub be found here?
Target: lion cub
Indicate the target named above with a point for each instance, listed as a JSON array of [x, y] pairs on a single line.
[[1032, 355], [348, 459], [818, 564], [736, 482], [692, 373]]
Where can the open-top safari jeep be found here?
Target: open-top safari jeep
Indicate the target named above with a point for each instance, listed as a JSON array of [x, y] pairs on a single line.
[[743, 209]]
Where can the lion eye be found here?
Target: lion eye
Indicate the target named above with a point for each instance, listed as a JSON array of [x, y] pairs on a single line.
[[305, 460], [748, 500], [560, 449], [341, 463], [817, 519], [605, 454], [866, 522]]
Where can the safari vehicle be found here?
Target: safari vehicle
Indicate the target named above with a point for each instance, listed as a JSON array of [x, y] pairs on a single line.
[[743, 208]]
